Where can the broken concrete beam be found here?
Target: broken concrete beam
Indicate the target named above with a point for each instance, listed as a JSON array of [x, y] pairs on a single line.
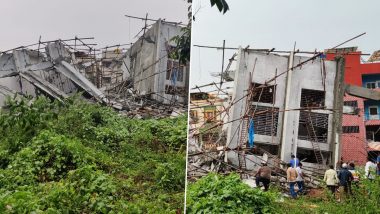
[[81, 81], [8, 73], [44, 86], [362, 92]]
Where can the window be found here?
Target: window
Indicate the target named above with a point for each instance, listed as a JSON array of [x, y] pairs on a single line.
[[209, 116], [373, 110], [373, 113], [209, 113], [263, 93], [312, 98], [371, 85], [350, 129], [174, 71], [106, 64], [106, 80], [351, 103], [313, 126], [265, 120], [199, 96], [194, 115]]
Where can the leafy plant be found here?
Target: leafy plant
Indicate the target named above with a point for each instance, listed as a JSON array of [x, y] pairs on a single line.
[[221, 5], [226, 194], [78, 157]]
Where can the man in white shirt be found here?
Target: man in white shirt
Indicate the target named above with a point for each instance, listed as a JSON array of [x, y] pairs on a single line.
[[370, 169], [300, 179], [331, 179]]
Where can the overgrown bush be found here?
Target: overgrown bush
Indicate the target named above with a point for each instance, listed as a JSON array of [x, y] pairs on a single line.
[[78, 157], [226, 194]]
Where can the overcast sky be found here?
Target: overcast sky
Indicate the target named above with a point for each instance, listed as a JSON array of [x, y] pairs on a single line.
[[23, 21], [278, 24]]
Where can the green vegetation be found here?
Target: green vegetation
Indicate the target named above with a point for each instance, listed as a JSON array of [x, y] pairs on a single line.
[[365, 199], [228, 194], [84, 158], [218, 194]]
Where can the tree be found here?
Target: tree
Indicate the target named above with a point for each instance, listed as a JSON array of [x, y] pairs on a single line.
[[183, 41], [221, 5]]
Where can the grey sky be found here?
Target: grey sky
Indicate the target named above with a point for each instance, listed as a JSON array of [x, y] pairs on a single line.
[[23, 21], [278, 24]]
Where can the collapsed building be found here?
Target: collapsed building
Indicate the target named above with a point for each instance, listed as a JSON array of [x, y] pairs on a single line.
[[292, 102], [52, 73], [145, 80]]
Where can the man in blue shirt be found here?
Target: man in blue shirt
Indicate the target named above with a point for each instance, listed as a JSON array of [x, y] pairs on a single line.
[[294, 161], [345, 178]]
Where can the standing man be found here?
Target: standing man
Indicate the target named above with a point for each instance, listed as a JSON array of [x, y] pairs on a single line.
[[355, 175], [345, 179], [331, 179], [300, 179], [263, 176], [294, 161], [370, 169], [291, 174]]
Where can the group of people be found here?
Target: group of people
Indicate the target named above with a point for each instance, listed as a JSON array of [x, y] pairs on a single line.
[[345, 176], [294, 176]]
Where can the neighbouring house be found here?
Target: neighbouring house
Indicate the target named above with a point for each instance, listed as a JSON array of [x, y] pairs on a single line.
[[364, 126], [155, 71], [207, 110], [292, 112]]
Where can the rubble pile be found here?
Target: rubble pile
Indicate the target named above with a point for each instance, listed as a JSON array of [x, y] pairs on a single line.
[[57, 72]]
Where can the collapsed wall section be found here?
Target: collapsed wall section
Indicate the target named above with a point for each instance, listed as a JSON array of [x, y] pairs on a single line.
[[154, 70]]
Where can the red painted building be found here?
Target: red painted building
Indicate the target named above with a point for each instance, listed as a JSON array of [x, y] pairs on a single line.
[[363, 127]]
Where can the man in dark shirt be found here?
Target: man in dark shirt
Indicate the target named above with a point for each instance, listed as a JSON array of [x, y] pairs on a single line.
[[263, 176], [345, 178]]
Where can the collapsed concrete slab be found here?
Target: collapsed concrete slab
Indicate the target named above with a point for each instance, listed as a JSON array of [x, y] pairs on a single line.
[[58, 70], [51, 73]]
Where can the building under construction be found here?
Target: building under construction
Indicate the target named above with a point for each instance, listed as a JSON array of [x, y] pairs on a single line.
[[290, 103]]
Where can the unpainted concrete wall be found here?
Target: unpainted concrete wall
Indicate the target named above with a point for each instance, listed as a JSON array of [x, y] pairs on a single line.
[[149, 59], [261, 67]]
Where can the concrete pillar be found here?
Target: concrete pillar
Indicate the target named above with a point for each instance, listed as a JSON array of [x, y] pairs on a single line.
[[240, 90], [335, 144], [285, 145]]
